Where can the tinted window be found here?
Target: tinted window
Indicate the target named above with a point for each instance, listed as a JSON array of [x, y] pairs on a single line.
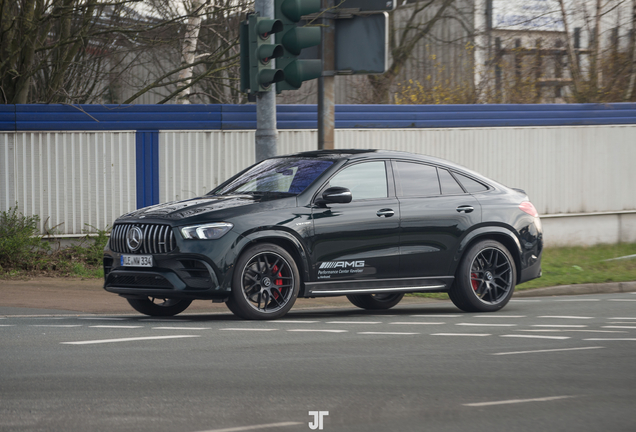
[[365, 180], [448, 183], [284, 175], [417, 179], [469, 184]]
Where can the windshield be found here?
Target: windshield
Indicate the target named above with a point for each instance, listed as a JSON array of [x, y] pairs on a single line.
[[283, 176]]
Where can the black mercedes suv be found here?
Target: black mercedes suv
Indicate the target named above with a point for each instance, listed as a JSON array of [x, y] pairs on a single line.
[[368, 224]]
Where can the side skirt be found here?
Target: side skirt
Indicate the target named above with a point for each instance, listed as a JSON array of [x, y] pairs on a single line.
[[405, 285]]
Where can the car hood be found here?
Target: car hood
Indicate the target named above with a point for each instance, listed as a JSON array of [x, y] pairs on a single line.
[[177, 210]]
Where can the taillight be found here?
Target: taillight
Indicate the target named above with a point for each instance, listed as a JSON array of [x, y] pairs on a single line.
[[527, 207]]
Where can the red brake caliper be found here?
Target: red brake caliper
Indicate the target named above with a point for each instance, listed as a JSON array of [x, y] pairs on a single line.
[[277, 282], [473, 282]]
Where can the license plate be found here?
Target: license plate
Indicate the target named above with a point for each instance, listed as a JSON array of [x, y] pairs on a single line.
[[136, 260]]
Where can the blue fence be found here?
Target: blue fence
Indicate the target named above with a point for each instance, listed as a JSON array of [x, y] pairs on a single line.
[[243, 117]]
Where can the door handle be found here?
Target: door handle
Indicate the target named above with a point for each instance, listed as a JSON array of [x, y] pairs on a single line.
[[387, 212], [465, 209]]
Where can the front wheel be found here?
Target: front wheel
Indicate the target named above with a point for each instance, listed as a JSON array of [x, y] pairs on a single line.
[[485, 278], [375, 301], [265, 284], [155, 306]]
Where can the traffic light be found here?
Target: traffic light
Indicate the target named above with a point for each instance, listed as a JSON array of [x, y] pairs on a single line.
[[257, 53], [294, 39]]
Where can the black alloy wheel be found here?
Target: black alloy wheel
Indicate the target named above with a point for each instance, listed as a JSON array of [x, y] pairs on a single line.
[[265, 283], [485, 279], [375, 301], [159, 306]]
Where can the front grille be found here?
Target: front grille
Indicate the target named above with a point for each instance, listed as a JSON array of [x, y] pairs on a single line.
[[156, 239], [140, 281]]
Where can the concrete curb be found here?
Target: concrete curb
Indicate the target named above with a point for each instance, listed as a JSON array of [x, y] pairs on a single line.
[[595, 288]]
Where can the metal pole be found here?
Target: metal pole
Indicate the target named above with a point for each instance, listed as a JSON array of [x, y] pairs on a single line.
[[266, 138], [326, 83]]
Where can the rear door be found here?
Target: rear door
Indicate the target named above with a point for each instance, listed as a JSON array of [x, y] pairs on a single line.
[[435, 214]]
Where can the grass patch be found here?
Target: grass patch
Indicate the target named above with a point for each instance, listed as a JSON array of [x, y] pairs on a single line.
[[577, 265]]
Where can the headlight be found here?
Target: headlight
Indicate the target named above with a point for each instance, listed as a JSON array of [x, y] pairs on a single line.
[[206, 232]]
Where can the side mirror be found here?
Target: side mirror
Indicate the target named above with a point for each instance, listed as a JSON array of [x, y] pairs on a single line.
[[337, 194]]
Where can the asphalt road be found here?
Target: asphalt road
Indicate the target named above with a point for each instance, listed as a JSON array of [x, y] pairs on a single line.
[[548, 363]]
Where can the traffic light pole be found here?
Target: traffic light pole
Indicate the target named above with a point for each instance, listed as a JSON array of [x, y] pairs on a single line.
[[266, 139], [326, 83]]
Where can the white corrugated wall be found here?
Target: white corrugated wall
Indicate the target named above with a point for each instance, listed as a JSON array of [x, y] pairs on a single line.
[[72, 180]]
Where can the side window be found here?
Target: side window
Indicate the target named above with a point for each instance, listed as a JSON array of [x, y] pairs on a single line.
[[470, 185], [365, 180], [449, 184], [417, 179]]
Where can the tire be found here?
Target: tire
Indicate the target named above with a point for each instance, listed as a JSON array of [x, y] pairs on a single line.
[[265, 283], [375, 301], [156, 306], [485, 279]]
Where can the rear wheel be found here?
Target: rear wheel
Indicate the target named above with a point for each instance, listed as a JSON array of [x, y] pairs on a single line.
[[265, 283], [485, 279], [158, 306], [375, 301]]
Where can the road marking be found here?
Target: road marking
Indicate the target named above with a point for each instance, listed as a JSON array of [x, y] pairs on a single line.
[[248, 329], [354, 322], [316, 330], [548, 350], [126, 339], [560, 325], [56, 325], [516, 401], [620, 322], [578, 300], [619, 327], [254, 427], [565, 317], [164, 320], [181, 328], [102, 318], [485, 325], [292, 321], [116, 327], [611, 339], [499, 316], [387, 333], [415, 323], [7, 325], [436, 316], [621, 300], [623, 318], [569, 330], [461, 334], [536, 336], [525, 301]]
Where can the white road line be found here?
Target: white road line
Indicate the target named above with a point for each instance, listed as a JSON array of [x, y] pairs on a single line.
[[525, 301], [536, 336], [127, 339], [623, 318], [56, 325], [249, 329], [611, 339], [354, 322], [415, 323], [578, 300], [621, 300], [254, 427], [164, 320], [436, 316], [560, 325], [570, 330], [548, 350], [565, 317], [102, 318], [181, 328], [461, 334], [386, 333], [540, 330], [317, 331], [485, 325], [498, 316], [619, 327], [516, 401], [7, 325], [292, 321], [116, 327], [620, 322]]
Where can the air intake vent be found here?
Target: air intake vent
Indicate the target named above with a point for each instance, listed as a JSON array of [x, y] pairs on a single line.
[[147, 239]]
